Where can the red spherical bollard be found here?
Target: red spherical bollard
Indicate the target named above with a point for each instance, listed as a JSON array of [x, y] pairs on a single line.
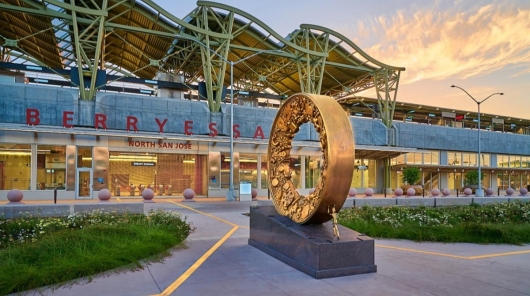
[[254, 193], [468, 191], [411, 192], [353, 192], [489, 192], [509, 191], [398, 192], [446, 192], [435, 192], [523, 191], [148, 195], [188, 194], [15, 196], [368, 192], [104, 195]]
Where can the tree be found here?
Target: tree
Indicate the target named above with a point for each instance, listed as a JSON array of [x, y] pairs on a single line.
[[411, 175], [471, 178]]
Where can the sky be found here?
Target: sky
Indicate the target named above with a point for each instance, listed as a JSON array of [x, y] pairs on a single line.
[[481, 46]]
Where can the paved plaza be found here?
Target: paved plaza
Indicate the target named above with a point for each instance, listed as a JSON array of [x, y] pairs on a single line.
[[218, 261]]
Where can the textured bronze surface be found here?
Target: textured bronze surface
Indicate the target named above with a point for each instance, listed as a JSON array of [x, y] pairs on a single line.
[[336, 141]]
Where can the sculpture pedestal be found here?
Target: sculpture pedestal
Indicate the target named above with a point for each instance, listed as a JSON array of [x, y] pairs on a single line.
[[311, 249]]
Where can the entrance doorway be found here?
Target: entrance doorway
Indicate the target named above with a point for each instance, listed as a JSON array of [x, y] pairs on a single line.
[[83, 187]]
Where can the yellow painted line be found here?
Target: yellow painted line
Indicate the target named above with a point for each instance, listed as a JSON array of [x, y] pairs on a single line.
[[419, 251], [171, 288], [203, 213], [455, 256], [500, 254], [182, 278]]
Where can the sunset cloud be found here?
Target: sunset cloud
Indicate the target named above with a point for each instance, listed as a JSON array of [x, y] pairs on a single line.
[[437, 44]]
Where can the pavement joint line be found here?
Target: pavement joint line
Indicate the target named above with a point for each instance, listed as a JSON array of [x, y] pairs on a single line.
[[183, 277], [455, 256]]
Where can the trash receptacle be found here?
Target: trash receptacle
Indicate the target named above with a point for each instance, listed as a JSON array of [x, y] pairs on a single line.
[[117, 192], [169, 190], [160, 189], [132, 188]]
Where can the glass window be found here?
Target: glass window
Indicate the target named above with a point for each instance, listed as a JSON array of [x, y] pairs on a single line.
[[15, 166], [515, 161], [248, 169], [364, 174], [84, 157], [296, 170], [312, 171], [454, 158], [414, 158], [51, 167], [525, 161], [469, 159], [398, 160], [503, 161], [485, 159], [432, 158], [165, 174]]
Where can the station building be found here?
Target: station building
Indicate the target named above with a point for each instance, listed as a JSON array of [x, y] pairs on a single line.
[[150, 106]]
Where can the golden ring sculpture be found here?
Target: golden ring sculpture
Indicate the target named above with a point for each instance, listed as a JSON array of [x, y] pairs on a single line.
[[337, 146]]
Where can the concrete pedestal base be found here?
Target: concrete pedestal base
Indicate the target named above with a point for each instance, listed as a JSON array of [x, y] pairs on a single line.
[[311, 249]]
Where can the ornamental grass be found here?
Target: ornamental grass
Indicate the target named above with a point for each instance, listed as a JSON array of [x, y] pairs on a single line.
[[500, 223], [37, 252]]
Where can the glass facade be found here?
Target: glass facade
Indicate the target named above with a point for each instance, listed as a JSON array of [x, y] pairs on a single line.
[[128, 173], [264, 172], [431, 158], [248, 169], [312, 171], [15, 166], [296, 171], [165, 174], [51, 167]]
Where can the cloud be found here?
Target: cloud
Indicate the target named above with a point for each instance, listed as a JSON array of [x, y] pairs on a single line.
[[437, 44]]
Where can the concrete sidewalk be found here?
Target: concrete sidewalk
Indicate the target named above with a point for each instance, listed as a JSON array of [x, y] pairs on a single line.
[[218, 261]]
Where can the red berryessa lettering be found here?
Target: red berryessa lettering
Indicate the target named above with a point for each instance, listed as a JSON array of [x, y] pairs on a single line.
[[100, 121], [259, 133], [32, 116], [67, 118], [142, 144], [237, 133], [187, 127], [132, 121], [213, 130], [161, 124]]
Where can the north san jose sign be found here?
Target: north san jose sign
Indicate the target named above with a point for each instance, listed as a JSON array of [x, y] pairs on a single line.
[[32, 118]]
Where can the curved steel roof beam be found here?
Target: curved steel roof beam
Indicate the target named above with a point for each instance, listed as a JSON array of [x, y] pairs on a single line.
[[261, 24], [184, 24], [350, 43]]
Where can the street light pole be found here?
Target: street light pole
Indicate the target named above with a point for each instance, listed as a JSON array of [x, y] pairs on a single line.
[[230, 196], [479, 192]]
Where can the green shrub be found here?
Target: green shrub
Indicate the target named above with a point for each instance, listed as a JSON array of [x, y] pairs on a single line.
[[492, 223]]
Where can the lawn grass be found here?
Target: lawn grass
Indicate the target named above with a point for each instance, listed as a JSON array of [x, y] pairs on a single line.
[[504, 223], [97, 243]]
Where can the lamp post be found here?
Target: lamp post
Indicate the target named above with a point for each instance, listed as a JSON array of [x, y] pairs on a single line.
[[230, 196], [479, 192]]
